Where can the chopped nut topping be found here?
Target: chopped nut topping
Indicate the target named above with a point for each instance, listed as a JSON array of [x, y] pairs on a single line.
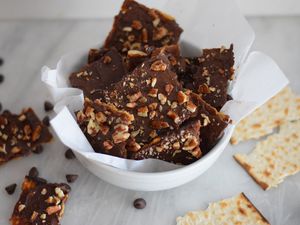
[[156, 22], [21, 207], [153, 134], [33, 216], [152, 114], [53, 209], [204, 89], [22, 117], [174, 117], [157, 124], [143, 111], [160, 33], [36, 133], [158, 66], [190, 144], [153, 82], [3, 148], [143, 100], [134, 147], [100, 117], [119, 137], [80, 117], [191, 106], [50, 200], [59, 192], [43, 216], [162, 98], [16, 149], [106, 59], [127, 29], [159, 149], [44, 191], [107, 145], [92, 128], [131, 105], [182, 97], [206, 119], [169, 88], [136, 53], [174, 105], [136, 24], [134, 133], [152, 106], [176, 145], [153, 92], [134, 97]]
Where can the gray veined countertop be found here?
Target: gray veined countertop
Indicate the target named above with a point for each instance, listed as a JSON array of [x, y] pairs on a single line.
[[28, 45]]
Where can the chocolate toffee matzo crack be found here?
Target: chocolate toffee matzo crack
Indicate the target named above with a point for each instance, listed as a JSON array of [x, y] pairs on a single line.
[[153, 102], [285, 106], [275, 158], [99, 74], [106, 127], [137, 26], [232, 211], [209, 74], [21, 134], [40, 203], [178, 146]]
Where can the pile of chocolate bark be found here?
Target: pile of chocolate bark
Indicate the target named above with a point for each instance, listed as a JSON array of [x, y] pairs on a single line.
[[143, 99]]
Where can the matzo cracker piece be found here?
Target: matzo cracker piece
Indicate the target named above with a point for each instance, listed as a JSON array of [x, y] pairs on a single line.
[[235, 210], [274, 158], [285, 106]]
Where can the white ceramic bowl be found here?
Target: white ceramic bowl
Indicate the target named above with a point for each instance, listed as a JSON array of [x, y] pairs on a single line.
[[161, 180]]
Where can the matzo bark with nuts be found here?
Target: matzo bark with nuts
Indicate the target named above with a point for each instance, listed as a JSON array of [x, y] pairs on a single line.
[[21, 134], [137, 25], [209, 74], [106, 127], [40, 203], [154, 96], [108, 69], [178, 146]]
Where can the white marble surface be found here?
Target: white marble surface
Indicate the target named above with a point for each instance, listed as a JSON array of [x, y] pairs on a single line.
[[27, 45]]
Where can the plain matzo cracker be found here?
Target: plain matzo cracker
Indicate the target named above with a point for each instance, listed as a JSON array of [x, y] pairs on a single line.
[[285, 106], [232, 211], [274, 158]]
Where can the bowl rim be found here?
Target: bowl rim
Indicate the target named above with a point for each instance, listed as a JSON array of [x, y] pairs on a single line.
[[224, 140]]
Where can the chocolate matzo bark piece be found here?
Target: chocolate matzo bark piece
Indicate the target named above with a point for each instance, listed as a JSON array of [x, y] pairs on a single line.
[[40, 203], [154, 96], [99, 74], [209, 74], [21, 134], [106, 127], [137, 26], [178, 146]]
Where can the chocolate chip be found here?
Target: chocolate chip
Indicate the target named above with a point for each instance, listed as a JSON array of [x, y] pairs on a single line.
[[48, 106], [71, 177], [1, 78], [139, 203], [229, 97], [10, 189], [33, 172], [69, 154], [1, 61], [46, 121], [38, 149], [0, 106]]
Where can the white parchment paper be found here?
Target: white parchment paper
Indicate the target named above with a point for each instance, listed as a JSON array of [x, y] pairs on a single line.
[[209, 23]]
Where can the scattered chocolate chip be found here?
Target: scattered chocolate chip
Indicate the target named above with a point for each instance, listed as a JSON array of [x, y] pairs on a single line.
[[48, 106], [1, 61], [229, 97], [46, 121], [38, 150], [139, 203], [10, 189], [71, 177], [1, 78], [69, 154], [33, 172]]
